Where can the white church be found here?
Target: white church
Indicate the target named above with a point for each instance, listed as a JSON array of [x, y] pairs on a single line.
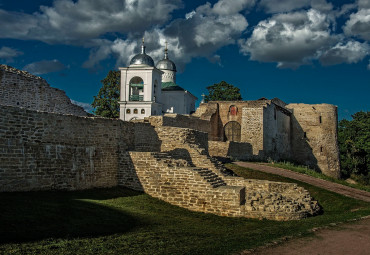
[[148, 90]]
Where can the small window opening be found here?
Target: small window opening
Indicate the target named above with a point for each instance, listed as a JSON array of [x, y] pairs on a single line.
[[320, 119], [135, 111], [320, 149], [142, 111], [304, 135], [128, 111]]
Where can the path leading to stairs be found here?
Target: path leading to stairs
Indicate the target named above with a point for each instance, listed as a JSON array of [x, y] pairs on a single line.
[[345, 239], [335, 187]]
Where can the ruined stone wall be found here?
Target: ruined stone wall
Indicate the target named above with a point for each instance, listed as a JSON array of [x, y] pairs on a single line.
[[182, 121], [22, 89], [276, 132], [252, 129], [314, 137], [181, 185], [230, 149], [45, 151], [184, 175]]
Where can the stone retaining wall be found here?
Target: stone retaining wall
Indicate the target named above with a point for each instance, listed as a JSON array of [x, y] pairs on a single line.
[[44, 151]]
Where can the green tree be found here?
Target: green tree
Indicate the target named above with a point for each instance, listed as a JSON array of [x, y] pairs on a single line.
[[106, 102], [354, 146], [223, 92]]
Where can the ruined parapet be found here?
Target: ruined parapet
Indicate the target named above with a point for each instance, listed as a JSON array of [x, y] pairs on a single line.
[[22, 89], [181, 121], [314, 137], [266, 128]]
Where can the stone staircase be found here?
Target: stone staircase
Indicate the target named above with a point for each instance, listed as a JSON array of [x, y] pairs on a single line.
[[182, 173], [211, 177]]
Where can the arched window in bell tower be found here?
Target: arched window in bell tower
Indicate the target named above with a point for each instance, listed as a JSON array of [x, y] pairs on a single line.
[[136, 89]]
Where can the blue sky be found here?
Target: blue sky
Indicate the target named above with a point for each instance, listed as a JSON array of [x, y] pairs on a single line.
[[301, 51]]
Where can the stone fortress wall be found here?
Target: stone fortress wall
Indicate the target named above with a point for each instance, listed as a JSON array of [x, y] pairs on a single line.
[[48, 151], [167, 156], [22, 89], [270, 129]]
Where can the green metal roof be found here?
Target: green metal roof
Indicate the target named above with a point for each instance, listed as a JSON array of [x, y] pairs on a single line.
[[171, 86]]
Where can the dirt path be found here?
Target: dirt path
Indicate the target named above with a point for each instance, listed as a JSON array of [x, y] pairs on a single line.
[[346, 239], [338, 188]]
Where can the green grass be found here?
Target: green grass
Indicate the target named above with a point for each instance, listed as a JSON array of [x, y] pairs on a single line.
[[122, 221], [311, 172]]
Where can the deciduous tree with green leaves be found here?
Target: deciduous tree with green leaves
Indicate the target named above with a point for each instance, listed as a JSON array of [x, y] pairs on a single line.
[[106, 102], [223, 91], [354, 146]]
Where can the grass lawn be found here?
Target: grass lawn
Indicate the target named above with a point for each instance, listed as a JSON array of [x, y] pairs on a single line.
[[313, 173], [122, 221]]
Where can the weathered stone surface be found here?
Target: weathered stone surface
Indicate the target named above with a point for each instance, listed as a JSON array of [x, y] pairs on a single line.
[[45, 151], [22, 89], [272, 130]]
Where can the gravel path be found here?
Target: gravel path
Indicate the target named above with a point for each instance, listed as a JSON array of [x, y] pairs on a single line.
[[335, 187]]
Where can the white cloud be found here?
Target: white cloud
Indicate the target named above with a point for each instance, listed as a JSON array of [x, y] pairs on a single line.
[[291, 39], [227, 7], [73, 22], [199, 34], [275, 6], [321, 5], [44, 66], [364, 4], [9, 53], [87, 107], [351, 52], [359, 24]]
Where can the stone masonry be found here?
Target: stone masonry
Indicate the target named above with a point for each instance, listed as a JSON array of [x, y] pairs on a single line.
[[46, 151], [273, 130], [22, 89]]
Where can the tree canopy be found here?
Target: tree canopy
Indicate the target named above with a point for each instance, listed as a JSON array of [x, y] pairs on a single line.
[[354, 146], [106, 102], [223, 91]]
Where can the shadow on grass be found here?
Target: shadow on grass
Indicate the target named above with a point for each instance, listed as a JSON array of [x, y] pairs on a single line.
[[30, 216]]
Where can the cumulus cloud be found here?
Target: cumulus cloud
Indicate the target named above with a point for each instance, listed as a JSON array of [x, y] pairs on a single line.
[[199, 34], [9, 53], [73, 22], [44, 66], [351, 52], [87, 107], [227, 7], [275, 6], [321, 5], [290, 39], [278, 6], [359, 24]]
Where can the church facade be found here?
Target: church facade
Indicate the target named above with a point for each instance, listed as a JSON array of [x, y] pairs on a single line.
[[150, 90]]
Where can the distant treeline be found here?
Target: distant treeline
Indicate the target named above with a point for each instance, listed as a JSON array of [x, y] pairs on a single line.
[[354, 147]]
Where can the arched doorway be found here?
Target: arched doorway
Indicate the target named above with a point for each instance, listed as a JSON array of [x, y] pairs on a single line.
[[232, 131]]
